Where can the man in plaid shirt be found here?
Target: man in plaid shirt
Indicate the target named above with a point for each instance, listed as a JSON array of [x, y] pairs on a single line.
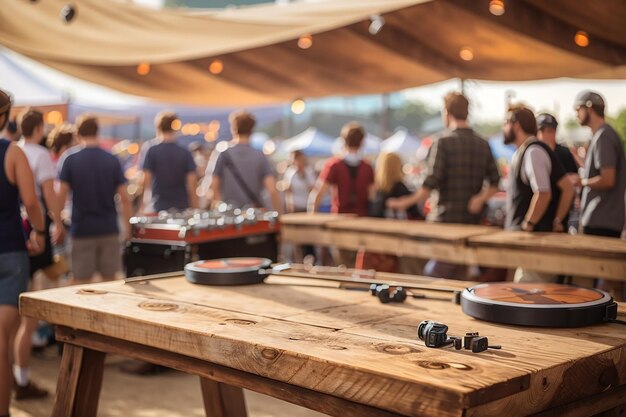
[[462, 176]]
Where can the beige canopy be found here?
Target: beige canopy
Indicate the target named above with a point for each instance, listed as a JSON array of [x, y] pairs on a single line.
[[262, 63]]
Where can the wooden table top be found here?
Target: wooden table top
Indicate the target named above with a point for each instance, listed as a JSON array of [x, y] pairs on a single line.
[[457, 233], [347, 344]]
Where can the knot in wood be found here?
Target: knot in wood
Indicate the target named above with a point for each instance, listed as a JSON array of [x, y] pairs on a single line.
[[337, 347], [608, 377], [433, 365], [395, 349], [156, 306], [241, 322], [270, 353], [87, 291]]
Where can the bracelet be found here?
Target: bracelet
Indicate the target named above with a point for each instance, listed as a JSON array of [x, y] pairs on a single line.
[[40, 232]]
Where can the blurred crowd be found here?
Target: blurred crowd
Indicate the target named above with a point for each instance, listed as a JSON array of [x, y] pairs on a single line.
[[66, 202]]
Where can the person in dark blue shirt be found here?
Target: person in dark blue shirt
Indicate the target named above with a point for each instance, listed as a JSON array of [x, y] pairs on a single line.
[[95, 178], [169, 170]]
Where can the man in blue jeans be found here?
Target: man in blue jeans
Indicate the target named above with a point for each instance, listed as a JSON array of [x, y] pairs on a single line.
[[16, 183]]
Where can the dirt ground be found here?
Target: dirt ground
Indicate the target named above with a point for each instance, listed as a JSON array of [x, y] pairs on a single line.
[[170, 394]]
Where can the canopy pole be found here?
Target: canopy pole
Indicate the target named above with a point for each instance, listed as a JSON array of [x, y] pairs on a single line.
[[462, 80], [384, 115]]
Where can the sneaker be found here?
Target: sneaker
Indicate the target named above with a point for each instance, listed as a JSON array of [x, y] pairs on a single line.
[[30, 391]]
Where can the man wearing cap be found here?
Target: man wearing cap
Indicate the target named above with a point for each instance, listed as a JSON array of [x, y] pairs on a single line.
[[604, 177], [546, 132], [539, 194]]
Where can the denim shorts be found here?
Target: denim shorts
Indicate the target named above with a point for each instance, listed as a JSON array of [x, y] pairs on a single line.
[[14, 273]]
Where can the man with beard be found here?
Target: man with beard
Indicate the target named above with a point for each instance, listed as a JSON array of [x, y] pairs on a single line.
[[539, 194], [604, 178], [462, 169]]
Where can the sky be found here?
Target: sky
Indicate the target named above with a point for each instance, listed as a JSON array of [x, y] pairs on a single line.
[[556, 96]]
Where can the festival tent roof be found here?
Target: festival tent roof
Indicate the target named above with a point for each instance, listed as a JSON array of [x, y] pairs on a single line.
[[261, 62], [312, 142], [403, 143], [370, 146]]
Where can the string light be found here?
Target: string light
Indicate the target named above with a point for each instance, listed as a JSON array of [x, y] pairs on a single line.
[[143, 68], [305, 41], [194, 129], [216, 67], [176, 124], [466, 53], [298, 106], [54, 117], [496, 7], [581, 39]]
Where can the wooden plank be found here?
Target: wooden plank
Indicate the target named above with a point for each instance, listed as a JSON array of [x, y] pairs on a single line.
[[206, 370], [311, 219], [345, 344], [434, 232], [222, 400], [557, 243], [606, 402], [576, 263], [79, 384], [306, 235]]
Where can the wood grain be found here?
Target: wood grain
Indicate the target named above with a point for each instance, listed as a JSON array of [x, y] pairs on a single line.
[[347, 345], [80, 381], [222, 400]]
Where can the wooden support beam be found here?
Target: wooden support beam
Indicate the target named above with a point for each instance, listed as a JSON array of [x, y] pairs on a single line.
[[79, 384]]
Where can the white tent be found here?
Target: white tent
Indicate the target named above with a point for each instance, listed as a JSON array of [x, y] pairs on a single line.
[[312, 142], [26, 88], [370, 147], [403, 143]]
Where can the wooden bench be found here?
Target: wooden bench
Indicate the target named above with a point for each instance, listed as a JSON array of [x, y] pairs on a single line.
[[558, 253], [336, 351]]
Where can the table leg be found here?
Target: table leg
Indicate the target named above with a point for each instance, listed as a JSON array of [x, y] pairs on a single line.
[[79, 384], [222, 400]]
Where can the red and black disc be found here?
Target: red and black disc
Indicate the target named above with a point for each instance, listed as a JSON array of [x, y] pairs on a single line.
[[538, 304], [227, 271]]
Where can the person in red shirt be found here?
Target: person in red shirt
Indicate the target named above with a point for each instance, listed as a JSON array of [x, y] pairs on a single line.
[[349, 178]]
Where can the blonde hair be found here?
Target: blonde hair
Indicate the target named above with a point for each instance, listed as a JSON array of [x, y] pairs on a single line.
[[388, 171]]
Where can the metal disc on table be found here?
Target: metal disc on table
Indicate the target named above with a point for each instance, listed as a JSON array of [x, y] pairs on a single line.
[[538, 304], [227, 271]]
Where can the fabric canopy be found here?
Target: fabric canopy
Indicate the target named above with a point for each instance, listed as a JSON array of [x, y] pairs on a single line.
[[419, 44]]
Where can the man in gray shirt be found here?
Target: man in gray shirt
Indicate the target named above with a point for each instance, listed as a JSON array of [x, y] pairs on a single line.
[[604, 178], [239, 172]]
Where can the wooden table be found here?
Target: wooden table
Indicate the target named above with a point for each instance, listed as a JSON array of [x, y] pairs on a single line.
[[558, 253], [336, 351]]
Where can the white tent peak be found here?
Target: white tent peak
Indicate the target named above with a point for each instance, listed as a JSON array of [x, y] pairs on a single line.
[[402, 142], [312, 142], [371, 145]]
